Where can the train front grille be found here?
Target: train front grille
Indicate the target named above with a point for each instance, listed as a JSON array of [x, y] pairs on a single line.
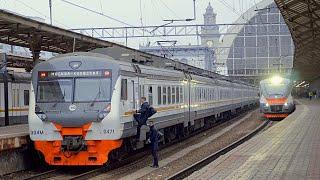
[[276, 108]]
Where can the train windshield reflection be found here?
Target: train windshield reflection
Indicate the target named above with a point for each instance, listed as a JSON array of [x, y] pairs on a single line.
[[58, 90], [92, 89], [275, 90]]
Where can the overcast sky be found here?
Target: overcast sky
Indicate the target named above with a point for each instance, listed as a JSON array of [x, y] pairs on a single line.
[[152, 12]]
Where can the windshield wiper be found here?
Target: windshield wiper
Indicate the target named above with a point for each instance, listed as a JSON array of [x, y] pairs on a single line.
[[95, 99], [63, 98]]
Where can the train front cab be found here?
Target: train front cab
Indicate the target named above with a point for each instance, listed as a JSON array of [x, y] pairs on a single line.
[[275, 108], [70, 117]]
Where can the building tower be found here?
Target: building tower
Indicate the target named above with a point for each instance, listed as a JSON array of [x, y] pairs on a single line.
[[210, 33]]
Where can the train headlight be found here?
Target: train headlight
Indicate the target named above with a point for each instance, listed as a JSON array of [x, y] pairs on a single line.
[[108, 108], [286, 104], [37, 109], [42, 116], [103, 114], [276, 80], [267, 105]]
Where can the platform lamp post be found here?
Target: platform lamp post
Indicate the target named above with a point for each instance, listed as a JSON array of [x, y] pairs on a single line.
[[4, 73]]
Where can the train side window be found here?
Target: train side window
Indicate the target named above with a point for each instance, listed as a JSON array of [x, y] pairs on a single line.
[[205, 94], [197, 95], [133, 95], [13, 92], [26, 97], [159, 95], [124, 89], [142, 94], [181, 95], [169, 95], [18, 99], [164, 95], [150, 95], [173, 95], [177, 97]]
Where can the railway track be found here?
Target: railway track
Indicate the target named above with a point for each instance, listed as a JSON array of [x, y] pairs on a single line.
[[42, 175], [202, 163]]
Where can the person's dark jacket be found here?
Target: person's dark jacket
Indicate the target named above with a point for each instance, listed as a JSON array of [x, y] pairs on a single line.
[[144, 112], [154, 138]]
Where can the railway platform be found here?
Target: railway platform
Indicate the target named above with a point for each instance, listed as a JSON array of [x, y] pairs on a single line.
[[13, 136], [14, 156], [288, 150]]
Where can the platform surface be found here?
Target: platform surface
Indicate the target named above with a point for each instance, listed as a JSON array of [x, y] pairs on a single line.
[[14, 130], [288, 150], [14, 136]]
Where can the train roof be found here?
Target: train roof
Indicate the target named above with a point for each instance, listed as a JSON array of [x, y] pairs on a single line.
[[125, 60], [18, 76]]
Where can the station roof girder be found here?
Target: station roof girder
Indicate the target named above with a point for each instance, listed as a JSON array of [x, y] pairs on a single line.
[[22, 31], [303, 20]]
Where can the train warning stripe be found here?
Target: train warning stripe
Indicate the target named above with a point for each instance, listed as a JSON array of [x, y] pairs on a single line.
[[276, 100]]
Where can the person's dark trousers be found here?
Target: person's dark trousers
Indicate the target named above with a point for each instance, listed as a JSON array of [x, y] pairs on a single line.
[[137, 117], [155, 157], [138, 131]]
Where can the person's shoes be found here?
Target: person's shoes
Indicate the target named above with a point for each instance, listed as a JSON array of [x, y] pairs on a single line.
[[155, 166]]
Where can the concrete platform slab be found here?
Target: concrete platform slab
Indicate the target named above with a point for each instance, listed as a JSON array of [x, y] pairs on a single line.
[[14, 152], [288, 150], [13, 136]]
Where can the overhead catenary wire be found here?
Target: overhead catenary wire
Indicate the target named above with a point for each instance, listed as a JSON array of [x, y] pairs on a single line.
[[40, 13], [235, 11], [173, 12], [104, 15], [96, 12]]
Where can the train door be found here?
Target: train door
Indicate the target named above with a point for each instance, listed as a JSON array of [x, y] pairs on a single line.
[[1, 105], [134, 92], [10, 99], [187, 96], [24, 101], [142, 88], [15, 110]]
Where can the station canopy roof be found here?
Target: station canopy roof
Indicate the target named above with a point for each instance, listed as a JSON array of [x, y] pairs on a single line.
[[22, 31], [38, 36], [303, 20]]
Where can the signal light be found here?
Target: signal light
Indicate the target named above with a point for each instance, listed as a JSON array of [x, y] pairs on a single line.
[[107, 73], [43, 74]]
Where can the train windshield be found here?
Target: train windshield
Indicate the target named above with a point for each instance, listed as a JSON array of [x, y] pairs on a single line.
[[275, 90], [92, 89], [58, 90]]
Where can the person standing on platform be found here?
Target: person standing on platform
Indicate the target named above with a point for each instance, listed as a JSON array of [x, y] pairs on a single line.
[[310, 95], [154, 140]]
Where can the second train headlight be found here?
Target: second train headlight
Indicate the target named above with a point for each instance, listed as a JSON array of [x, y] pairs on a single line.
[[102, 114]]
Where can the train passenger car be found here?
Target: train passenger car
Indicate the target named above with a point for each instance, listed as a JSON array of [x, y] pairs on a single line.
[[275, 97], [82, 105], [18, 96]]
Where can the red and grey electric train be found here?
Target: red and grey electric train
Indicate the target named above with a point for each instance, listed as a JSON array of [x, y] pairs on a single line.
[[275, 97]]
